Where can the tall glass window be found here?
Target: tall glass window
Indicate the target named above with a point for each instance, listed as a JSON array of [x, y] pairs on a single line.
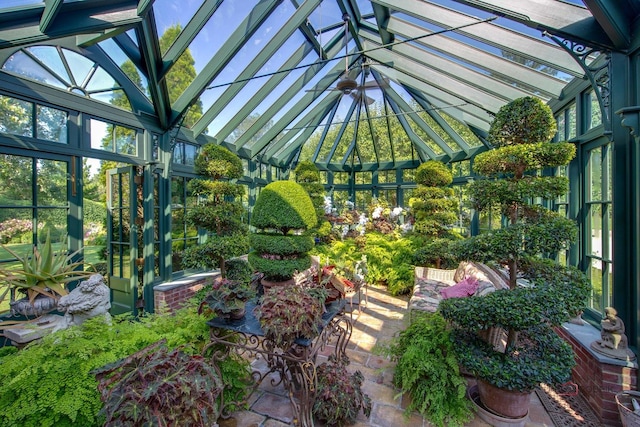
[[183, 234], [33, 202], [599, 225]]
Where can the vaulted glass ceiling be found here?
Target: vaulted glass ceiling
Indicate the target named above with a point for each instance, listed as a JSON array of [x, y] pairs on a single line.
[[349, 84]]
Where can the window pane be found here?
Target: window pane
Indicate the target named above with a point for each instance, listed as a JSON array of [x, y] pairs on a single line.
[[15, 116], [16, 178], [190, 154], [596, 114], [596, 230], [571, 122], [595, 168], [125, 140], [101, 135], [595, 275], [52, 183], [52, 124]]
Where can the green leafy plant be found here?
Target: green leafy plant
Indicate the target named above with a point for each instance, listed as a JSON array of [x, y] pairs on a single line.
[[339, 396], [49, 383], [427, 368], [158, 386], [282, 214], [287, 313], [227, 296], [45, 271]]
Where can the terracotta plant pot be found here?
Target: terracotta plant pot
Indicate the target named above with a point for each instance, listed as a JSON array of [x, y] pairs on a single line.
[[507, 403]]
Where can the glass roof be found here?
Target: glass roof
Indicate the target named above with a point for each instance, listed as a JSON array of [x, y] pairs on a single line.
[[349, 84]]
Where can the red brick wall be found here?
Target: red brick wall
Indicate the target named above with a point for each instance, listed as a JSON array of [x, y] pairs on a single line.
[[599, 382], [172, 297]]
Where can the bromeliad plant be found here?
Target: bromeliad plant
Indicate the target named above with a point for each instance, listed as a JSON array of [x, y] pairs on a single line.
[[45, 271]]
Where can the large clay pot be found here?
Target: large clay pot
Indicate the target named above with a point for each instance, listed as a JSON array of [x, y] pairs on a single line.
[[266, 284], [510, 404]]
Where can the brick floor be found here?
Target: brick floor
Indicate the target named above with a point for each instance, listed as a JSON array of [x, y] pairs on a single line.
[[376, 324]]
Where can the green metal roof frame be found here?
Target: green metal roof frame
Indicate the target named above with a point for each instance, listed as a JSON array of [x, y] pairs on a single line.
[[465, 57]]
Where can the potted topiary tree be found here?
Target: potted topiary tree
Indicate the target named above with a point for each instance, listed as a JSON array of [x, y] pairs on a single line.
[[219, 211], [280, 244], [532, 353], [435, 211]]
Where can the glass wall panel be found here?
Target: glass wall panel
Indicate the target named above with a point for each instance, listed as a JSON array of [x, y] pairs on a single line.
[[15, 116], [51, 124]]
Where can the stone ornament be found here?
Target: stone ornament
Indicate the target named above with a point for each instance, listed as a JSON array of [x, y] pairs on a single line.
[[91, 298], [613, 342]]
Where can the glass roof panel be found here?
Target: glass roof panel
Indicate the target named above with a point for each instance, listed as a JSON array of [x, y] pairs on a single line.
[[309, 147], [21, 63], [112, 49], [7, 4], [327, 14], [100, 81], [365, 7], [461, 129], [205, 45], [365, 140], [173, 13], [278, 92], [50, 57], [79, 65]]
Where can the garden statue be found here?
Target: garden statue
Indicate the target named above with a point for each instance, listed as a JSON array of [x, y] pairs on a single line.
[[91, 298], [613, 342]]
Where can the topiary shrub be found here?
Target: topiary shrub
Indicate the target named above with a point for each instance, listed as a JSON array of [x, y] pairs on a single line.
[[434, 210], [282, 214], [532, 352], [220, 210]]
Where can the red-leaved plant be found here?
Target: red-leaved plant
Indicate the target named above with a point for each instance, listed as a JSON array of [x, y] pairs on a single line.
[[339, 397], [160, 387]]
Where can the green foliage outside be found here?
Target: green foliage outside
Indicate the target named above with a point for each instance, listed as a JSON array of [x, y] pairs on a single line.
[[307, 175], [427, 368], [50, 384]]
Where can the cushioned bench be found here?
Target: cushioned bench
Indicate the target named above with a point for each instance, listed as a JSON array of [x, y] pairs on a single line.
[[431, 282]]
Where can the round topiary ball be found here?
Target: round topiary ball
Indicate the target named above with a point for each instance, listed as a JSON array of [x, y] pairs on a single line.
[[218, 162], [283, 206], [433, 173], [524, 120]]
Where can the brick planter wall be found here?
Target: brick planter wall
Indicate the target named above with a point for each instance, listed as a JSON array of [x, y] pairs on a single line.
[[599, 377], [171, 295]]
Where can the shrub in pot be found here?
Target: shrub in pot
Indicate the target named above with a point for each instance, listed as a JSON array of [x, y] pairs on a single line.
[[219, 210], [281, 216], [339, 396], [532, 353], [227, 296]]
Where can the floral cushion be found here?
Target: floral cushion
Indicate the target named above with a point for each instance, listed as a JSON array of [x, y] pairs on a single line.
[[464, 288]]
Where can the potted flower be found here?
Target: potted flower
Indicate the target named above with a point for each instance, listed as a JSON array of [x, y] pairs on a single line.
[[280, 244], [228, 295], [339, 396], [41, 277], [287, 313], [531, 352]]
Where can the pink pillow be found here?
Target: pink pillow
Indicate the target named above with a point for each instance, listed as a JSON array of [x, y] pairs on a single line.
[[464, 288]]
